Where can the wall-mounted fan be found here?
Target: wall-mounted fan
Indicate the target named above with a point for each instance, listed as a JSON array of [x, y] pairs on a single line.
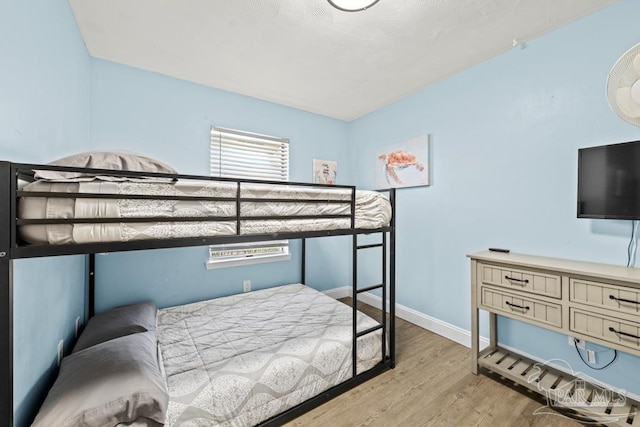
[[623, 86]]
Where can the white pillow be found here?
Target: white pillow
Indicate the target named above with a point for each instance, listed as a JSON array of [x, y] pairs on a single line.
[[115, 160]]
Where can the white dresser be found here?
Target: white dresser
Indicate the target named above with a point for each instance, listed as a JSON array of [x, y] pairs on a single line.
[[596, 302]]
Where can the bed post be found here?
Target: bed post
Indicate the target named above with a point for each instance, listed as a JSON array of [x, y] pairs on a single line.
[[92, 286], [354, 286], [303, 262], [6, 295], [354, 305], [392, 278], [6, 342]]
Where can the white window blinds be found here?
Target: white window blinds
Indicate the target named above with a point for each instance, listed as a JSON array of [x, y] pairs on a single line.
[[245, 155], [238, 154]]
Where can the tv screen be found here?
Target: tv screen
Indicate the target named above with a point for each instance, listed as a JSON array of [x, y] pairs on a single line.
[[609, 181]]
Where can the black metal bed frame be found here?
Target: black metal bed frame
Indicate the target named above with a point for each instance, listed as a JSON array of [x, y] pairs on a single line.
[[12, 247]]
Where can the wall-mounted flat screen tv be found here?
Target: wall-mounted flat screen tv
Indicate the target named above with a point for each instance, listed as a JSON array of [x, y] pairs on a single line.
[[609, 181]]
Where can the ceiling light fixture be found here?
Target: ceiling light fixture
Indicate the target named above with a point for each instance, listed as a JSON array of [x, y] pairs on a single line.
[[352, 5]]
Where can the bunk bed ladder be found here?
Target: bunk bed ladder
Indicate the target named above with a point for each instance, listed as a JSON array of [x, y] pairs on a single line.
[[356, 290]]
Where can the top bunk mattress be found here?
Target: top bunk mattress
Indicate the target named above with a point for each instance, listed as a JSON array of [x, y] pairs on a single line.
[[372, 210]]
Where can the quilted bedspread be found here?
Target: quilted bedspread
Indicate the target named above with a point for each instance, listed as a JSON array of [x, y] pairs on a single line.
[[239, 360]]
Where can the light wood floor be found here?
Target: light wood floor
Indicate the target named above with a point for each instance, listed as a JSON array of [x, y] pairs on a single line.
[[431, 385]]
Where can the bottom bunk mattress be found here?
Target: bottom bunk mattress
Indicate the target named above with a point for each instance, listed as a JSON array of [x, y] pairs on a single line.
[[240, 360]]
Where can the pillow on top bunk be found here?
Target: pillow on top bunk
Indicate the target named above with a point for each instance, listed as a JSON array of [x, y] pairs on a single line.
[[118, 381], [118, 322], [115, 160]]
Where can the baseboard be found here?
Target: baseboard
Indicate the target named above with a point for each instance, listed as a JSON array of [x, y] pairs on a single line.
[[437, 326]]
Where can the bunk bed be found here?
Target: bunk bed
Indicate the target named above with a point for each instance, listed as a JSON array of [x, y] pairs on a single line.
[[190, 210]]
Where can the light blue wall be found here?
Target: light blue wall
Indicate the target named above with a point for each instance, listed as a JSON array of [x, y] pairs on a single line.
[[170, 119], [44, 81], [505, 136], [48, 296], [44, 114]]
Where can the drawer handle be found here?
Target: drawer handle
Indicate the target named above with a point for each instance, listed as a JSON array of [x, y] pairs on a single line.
[[623, 333], [619, 300], [513, 279], [512, 306]]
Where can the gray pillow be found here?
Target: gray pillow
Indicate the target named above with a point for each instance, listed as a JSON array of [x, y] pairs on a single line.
[[118, 381], [118, 322], [115, 160]]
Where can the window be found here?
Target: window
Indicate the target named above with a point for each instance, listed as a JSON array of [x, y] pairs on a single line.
[[245, 155]]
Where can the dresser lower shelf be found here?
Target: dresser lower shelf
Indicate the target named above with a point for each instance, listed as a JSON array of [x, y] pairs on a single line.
[[562, 390]]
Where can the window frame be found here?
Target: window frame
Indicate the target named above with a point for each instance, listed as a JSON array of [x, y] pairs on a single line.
[[271, 169]]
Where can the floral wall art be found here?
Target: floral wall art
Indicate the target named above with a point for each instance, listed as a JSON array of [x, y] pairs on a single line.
[[324, 171]]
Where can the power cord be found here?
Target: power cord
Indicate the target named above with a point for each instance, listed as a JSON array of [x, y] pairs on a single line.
[[633, 243], [615, 356]]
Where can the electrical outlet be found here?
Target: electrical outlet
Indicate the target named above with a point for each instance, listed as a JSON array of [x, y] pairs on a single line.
[[246, 286], [77, 326], [581, 344], [591, 356], [60, 351]]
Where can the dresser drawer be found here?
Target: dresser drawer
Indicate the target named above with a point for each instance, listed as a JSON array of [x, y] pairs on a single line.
[[522, 280], [616, 298], [522, 307], [605, 328]]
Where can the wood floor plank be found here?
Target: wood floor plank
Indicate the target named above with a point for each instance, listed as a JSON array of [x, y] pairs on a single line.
[[431, 386]]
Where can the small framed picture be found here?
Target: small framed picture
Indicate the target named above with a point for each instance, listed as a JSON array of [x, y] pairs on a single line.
[[324, 171]]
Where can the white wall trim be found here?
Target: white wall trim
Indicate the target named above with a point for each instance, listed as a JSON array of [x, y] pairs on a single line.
[[235, 262], [437, 326]]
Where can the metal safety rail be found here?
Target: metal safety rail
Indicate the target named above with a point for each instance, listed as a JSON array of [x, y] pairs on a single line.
[[18, 249]]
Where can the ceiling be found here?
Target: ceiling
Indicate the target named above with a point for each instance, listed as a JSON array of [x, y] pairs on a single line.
[[308, 55]]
